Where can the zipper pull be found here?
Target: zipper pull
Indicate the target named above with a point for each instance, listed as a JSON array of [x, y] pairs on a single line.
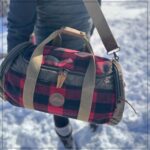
[[61, 78]]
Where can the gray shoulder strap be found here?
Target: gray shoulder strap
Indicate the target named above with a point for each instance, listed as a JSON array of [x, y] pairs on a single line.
[[100, 23]]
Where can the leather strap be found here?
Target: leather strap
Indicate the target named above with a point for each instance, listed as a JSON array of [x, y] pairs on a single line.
[[33, 70], [100, 23], [73, 32], [87, 89]]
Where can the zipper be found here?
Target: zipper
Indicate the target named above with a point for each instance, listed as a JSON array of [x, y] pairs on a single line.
[[68, 71], [118, 82], [11, 56]]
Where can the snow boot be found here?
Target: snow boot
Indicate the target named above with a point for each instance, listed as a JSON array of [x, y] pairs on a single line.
[[68, 142], [93, 127]]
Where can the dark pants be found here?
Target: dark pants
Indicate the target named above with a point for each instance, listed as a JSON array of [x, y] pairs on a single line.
[[60, 121]]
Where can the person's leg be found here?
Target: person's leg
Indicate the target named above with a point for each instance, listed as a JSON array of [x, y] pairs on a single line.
[[60, 121], [53, 15], [64, 131]]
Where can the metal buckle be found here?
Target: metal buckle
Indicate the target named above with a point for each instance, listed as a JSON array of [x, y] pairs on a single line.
[[116, 57]]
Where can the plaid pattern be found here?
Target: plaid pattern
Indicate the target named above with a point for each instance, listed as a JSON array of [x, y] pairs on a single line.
[[104, 101], [71, 59]]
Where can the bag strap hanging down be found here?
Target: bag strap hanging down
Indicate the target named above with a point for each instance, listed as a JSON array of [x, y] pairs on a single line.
[[100, 23]]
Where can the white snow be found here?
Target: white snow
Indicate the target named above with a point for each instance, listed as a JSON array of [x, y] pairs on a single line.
[[24, 128]]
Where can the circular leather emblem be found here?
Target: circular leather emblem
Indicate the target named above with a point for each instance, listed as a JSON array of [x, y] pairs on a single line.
[[57, 99]]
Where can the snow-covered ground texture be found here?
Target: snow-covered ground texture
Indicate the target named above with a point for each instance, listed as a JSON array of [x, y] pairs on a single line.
[[26, 129]]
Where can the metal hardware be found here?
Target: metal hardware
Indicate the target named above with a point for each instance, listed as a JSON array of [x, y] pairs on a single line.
[[116, 57]]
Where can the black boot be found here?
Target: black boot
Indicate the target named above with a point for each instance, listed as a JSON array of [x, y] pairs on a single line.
[[93, 127], [64, 131], [67, 141]]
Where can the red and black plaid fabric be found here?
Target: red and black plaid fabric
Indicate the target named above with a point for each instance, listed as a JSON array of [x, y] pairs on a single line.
[[104, 100]]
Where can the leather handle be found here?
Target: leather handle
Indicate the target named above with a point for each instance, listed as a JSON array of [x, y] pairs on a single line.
[[72, 32], [68, 31]]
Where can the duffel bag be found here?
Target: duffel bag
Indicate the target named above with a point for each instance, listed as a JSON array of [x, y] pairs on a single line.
[[67, 82], [63, 81]]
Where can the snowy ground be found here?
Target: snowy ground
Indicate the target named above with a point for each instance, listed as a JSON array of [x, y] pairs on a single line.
[[24, 129]]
